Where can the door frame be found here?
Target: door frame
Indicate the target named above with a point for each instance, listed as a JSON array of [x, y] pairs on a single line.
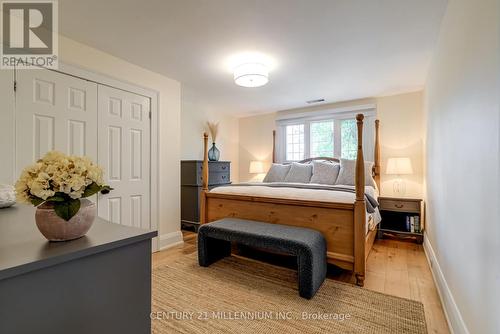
[[154, 96]]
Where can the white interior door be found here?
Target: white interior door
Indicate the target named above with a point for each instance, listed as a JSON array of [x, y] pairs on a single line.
[[54, 111], [124, 152]]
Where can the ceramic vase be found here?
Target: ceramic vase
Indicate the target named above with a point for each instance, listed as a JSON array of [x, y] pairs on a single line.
[[54, 228]]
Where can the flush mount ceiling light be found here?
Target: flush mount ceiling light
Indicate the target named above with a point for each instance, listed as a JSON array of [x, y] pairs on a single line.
[[251, 75]]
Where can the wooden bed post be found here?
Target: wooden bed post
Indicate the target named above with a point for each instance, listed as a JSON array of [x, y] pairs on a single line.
[[204, 184], [274, 146], [376, 175], [360, 209]]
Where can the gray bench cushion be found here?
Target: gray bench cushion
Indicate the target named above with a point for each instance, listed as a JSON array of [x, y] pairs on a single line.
[[214, 243]]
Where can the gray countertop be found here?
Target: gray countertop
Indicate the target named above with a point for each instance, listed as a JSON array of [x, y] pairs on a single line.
[[23, 248]]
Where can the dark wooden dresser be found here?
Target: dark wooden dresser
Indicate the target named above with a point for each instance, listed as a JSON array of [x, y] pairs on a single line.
[[191, 181]]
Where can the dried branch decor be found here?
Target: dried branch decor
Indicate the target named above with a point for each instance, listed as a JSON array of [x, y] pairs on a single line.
[[213, 128]]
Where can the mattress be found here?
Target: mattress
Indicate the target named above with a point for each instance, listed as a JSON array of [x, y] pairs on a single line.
[[317, 194]]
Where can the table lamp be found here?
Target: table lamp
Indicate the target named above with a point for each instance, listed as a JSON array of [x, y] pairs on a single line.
[[398, 167], [256, 167]]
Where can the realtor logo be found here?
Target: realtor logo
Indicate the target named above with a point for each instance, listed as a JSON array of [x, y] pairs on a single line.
[[29, 34]]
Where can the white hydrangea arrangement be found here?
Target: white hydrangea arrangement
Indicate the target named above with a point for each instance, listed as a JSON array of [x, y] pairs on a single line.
[[60, 180]]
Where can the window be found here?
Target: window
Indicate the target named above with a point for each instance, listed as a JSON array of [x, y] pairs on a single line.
[[295, 142], [322, 139], [349, 139], [329, 132]]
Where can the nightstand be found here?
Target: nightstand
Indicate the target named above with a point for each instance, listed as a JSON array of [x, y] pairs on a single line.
[[402, 218]]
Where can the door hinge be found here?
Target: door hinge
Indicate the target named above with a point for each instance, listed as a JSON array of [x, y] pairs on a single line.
[[150, 115], [15, 86]]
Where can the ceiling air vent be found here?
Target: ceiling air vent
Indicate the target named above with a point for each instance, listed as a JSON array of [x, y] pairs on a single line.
[[315, 101]]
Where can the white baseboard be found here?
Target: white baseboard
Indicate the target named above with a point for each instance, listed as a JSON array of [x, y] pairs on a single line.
[[171, 239], [455, 321]]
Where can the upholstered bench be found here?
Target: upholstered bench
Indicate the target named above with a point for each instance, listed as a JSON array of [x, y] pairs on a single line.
[[309, 246]]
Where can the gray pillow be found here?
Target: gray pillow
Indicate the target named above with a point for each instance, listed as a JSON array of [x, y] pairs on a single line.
[[347, 173], [277, 173], [325, 172], [299, 173]]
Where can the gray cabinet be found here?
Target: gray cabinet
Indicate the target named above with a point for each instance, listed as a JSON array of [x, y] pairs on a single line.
[[99, 283], [191, 183]]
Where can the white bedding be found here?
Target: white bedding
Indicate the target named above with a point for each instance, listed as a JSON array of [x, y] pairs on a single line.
[[372, 219]]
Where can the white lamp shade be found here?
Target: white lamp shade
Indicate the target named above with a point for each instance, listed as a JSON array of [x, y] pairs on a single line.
[[399, 166], [251, 75], [256, 167]]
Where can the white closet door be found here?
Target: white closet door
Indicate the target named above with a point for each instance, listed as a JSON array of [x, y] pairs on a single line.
[[54, 111], [124, 152]]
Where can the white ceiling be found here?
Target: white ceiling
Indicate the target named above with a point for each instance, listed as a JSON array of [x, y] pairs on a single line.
[[332, 49]]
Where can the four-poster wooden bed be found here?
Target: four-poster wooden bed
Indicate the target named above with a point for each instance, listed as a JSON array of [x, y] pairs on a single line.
[[342, 224]]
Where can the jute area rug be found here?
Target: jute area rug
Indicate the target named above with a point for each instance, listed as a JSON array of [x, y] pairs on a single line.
[[238, 295]]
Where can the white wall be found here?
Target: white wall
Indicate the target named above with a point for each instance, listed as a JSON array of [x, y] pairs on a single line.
[[256, 143], [7, 126], [401, 134], [194, 116], [462, 167]]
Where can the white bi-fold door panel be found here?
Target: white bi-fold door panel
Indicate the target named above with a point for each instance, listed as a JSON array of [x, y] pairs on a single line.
[[54, 111], [124, 152]]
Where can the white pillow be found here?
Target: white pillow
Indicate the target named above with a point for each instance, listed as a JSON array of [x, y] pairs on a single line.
[[325, 172], [347, 173], [299, 173], [277, 173]]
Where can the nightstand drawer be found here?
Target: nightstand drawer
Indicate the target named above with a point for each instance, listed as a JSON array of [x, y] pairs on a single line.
[[399, 205]]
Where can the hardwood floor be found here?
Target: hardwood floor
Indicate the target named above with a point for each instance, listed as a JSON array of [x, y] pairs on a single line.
[[394, 267]]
